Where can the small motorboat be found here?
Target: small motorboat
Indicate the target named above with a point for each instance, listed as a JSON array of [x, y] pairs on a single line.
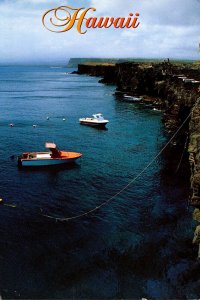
[[129, 98], [97, 120], [53, 157]]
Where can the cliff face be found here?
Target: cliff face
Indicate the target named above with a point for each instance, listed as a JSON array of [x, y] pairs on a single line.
[[105, 70], [194, 155], [173, 88], [194, 159]]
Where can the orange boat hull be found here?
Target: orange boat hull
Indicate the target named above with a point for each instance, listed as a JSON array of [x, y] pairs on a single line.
[[35, 159]]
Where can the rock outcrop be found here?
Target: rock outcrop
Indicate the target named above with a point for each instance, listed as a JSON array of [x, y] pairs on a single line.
[[105, 70]]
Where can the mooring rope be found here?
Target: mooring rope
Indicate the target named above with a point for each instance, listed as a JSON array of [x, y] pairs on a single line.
[[62, 219], [185, 145]]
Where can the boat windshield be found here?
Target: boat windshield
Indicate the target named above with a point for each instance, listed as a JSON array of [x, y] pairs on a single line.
[[98, 116], [54, 150]]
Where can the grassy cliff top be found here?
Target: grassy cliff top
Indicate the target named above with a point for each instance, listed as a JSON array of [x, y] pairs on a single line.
[[98, 64], [73, 62]]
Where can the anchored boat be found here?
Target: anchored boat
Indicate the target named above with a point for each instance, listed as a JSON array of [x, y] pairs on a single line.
[[129, 98], [53, 157], [97, 120]]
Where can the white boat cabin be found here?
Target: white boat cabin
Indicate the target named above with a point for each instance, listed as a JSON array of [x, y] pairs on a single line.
[[98, 117]]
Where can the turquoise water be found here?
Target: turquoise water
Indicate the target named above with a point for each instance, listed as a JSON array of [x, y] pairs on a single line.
[[139, 245]]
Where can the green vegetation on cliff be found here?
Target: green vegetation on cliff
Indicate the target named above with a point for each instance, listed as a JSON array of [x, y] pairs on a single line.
[[74, 62]]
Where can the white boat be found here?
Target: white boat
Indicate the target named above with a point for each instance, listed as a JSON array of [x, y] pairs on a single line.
[[132, 98], [96, 120], [53, 157]]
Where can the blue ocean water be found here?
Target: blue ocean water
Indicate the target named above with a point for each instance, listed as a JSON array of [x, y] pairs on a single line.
[[139, 245]]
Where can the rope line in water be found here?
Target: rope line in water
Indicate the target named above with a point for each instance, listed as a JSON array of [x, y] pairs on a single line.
[[126, 186]]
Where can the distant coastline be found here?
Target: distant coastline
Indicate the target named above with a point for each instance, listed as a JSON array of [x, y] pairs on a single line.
[[74, 62]]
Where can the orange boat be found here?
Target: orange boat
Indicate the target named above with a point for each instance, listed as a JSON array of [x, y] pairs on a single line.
[[53, 157]]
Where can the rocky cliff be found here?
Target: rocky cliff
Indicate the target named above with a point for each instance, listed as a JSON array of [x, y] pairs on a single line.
[[175, 89], [105, 70]]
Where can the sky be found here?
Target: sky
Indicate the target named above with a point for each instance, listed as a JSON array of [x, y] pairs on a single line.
[[168, 29]]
